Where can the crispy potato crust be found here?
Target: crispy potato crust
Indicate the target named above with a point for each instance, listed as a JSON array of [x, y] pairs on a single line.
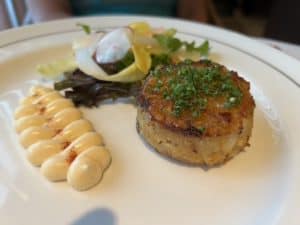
[[227, 130]]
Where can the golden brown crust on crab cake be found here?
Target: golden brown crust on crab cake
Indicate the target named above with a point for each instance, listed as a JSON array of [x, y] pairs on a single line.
[[214, 135]]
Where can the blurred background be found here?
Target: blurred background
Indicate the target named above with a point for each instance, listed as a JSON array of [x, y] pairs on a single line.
[[275, 19]]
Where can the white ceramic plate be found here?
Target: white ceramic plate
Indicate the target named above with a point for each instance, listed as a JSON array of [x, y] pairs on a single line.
[[259, 186]]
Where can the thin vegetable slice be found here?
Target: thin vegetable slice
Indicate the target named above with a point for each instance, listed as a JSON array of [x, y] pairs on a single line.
[[142, 58], [89, 66]]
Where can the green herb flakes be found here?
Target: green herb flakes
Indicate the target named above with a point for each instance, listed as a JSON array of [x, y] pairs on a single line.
[[190, 87]]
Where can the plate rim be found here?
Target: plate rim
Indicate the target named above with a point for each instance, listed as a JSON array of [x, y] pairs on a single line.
[[280, 58], [61, 26]]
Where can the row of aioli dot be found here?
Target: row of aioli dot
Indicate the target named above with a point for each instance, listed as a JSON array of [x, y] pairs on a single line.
[[58, 139]]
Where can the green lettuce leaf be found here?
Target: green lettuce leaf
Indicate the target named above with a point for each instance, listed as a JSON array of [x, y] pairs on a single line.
[[170, 43], [203, 49], [86, 28]]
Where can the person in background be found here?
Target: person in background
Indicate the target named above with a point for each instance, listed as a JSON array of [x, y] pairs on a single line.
[[44, 10]]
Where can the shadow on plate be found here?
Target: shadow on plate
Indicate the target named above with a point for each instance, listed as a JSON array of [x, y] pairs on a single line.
[[99, 216]]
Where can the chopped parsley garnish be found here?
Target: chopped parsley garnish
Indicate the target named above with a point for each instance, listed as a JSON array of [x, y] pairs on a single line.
[[201, 129], [190, 87], [170, 43]]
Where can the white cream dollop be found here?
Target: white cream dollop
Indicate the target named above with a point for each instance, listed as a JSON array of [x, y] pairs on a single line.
[[114, 46]]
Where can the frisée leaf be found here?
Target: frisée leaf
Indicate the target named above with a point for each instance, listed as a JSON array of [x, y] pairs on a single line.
[[86, 28]]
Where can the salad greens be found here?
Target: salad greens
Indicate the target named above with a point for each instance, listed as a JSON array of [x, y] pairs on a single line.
[[126, 61], [88, 91], [123, 77], [168, 41], [160, 59], [203, 49], [112, 68], [86, 28]]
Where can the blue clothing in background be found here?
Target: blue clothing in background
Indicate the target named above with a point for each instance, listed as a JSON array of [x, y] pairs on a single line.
[[150, 7]]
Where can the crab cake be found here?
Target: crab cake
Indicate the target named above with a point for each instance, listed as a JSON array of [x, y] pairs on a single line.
[[196, 112]]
